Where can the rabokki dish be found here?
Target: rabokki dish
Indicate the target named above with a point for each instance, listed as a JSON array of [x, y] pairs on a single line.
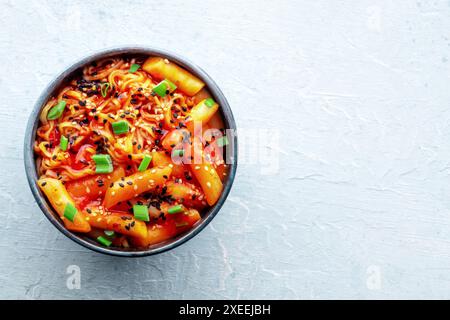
[[131, 151]]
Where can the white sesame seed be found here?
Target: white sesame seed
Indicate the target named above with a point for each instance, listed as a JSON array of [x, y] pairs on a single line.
[[208, 184]]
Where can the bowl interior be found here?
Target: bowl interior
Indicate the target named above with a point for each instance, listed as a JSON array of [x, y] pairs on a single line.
[[72, 70]]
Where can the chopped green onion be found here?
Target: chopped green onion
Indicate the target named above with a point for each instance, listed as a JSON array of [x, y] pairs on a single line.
[[104, 241], [103, 163], [145, 162], [70, 211], [175, 209], [222, 141], [63, 143], [120, 127], [104, 89], [141, 212], [177, 152], [182, 224], [109, 233], [134, 67], [210, 102], [56, 111], [164, 87]]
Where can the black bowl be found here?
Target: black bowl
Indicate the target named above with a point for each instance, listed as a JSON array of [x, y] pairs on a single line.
[[30, 160]]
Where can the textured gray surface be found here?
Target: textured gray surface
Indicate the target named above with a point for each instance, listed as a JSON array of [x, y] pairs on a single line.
[[358, 206]]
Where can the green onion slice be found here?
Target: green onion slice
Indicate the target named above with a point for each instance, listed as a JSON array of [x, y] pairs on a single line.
[[70, 211], [120, 127], [57, 111], [109, 233], [103, 163], [134, 67], [164, 87], [177, 152], [145, 162], [175, 209], [63, 143], [210, 102], [105, 88], [140, 212], [222, 141], [104, 241]]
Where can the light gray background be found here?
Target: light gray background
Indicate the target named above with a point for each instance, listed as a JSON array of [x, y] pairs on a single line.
[[359, 206]]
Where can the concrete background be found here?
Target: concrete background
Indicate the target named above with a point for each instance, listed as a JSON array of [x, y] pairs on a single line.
[[354, 200]]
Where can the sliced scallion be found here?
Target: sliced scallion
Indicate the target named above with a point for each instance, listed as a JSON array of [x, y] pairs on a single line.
[[222, 141], [140, 212], [164, 87], [103, 163], [109, 233], [134, 67], [177, 152], [104, 241], [57, 111], [175, 209], [210, 102], [63, 143], [145, 162], [70, 211], [120, 127]]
